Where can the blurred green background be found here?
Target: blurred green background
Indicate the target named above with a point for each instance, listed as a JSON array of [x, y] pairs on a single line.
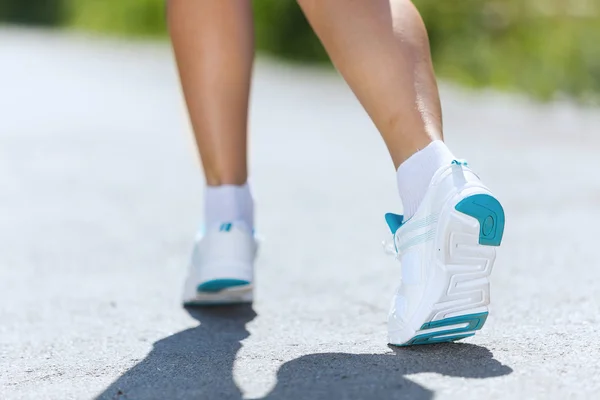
[[546, 48]]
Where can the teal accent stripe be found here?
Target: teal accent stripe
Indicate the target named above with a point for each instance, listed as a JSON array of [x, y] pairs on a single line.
[[422, 238], [394, 221], [460, 162], [226, 227], [418, 224], [474, 322], [490, 214]]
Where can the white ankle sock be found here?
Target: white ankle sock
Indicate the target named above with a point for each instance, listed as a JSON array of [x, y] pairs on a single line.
[[414, 174], [228, 203]]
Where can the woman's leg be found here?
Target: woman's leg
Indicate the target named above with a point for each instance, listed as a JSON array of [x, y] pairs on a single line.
[[213, 42], [382, 50], [446, 240]]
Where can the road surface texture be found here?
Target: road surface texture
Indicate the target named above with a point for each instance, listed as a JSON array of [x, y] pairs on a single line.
[[101, 196]]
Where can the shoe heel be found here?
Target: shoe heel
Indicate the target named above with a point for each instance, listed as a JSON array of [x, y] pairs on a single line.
[[487, 210]]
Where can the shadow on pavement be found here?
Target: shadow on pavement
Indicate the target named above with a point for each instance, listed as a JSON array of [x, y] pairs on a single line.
[[197, 364], [193, 364], [381, 376]]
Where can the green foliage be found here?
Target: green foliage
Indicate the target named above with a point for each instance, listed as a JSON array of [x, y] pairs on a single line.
[[514, 45], [282, 29], [126, 17], [542, 47], [32, 12]]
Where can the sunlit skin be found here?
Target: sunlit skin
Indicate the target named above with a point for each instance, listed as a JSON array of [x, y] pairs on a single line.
[[213, 42], [379, 46]]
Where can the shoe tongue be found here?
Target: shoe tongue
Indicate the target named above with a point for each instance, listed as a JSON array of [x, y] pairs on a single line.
[[394, 221]]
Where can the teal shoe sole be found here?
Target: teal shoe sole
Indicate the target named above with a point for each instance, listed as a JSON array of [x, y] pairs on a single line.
[[216, 285], [221, 292], [474, 322]]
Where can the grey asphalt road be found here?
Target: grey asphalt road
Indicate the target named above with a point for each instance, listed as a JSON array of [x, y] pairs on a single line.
[[101, 195]]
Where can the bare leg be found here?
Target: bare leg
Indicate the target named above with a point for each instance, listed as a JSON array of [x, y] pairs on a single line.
[[213, 43], [382, 50], [214, 47]]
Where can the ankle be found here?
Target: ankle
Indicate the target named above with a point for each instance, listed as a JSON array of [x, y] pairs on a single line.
[[216, 176]]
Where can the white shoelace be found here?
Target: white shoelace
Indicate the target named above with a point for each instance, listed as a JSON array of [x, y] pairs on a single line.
[[389, 248]]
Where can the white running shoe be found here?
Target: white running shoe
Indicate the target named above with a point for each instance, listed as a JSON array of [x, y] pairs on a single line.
[[447, 251], [222, 267]]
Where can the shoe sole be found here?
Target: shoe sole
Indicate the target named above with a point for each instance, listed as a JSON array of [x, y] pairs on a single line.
[[473, 229], [231, 295]]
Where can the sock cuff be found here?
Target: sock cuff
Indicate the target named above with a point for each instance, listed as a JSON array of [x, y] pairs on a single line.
[[229, 189], [415, 173], [228, 203], [434, 153]]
